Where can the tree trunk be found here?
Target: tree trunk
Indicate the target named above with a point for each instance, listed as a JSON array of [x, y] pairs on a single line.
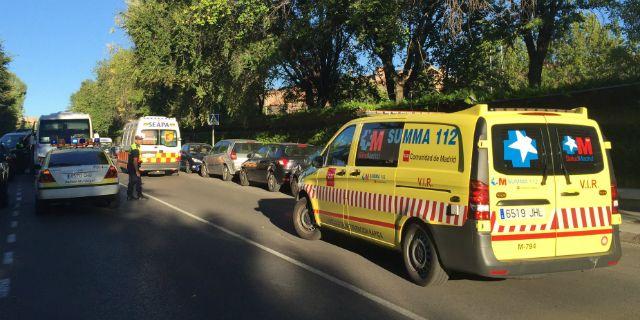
[[389, 72], [536, 61]]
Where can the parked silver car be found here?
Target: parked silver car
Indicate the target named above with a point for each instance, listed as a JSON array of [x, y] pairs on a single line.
[[226, 157]]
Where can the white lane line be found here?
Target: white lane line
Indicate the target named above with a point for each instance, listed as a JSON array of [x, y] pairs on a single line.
[[15, 213], [11, 238], [19, 198], [5, 285], [8, 258], [300, 264], [14, 224]]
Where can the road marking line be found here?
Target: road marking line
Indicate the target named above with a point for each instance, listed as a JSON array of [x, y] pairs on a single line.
[[15, 213], [8, 258], [5, 285], [11, 238], [14, 224], [300, 264], [19, 198]]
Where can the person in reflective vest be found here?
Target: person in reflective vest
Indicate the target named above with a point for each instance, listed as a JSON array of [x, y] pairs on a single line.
[[133, 167]]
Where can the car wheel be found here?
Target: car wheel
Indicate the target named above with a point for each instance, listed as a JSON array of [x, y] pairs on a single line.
[[272, 183], [421, 257], [203, 171], [226, 174], [303, 221], [244, 180], [294, 186]]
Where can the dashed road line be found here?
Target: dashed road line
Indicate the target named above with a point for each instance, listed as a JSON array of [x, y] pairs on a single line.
[[7, 258], [19, 198], [5, 285], [11, 238], [14, 224], [298, 263]]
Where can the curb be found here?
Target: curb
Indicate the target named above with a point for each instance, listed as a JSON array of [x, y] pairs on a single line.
[[630, 237], [626, 236]]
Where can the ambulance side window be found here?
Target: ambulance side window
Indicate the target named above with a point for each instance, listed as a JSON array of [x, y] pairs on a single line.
[[338, 151], [379, 144]]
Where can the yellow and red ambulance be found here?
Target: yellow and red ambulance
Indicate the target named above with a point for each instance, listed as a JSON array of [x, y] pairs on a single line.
[[493, 192], [160, 149]]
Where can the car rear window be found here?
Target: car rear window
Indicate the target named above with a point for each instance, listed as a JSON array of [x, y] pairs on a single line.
[[579, 147], [79, 158], [519, 149], [298, 150], [246, 147]]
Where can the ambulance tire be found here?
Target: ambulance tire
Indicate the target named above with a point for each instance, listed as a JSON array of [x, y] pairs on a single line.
[[204, 172], [226, 174], [244, 180], [272, 183], [421, 257], [303, 221]]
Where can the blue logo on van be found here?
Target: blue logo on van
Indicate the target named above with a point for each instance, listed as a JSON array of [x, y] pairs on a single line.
[[569, 145], [520, 149]]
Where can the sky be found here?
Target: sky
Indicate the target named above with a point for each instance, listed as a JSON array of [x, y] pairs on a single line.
[[55, 45]]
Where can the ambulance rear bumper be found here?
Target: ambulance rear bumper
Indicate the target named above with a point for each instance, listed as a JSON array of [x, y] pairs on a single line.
[[172, 166], [480, 259]]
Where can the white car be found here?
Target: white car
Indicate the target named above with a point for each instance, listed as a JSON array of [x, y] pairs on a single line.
[[76, 173]]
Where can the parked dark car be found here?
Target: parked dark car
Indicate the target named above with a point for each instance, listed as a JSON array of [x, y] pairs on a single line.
[[4, 176], [272, 164], [299, 168], [18, 145], [191, 156]]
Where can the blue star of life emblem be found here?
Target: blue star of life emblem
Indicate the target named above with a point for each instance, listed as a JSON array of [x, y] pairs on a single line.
[[520, 149]]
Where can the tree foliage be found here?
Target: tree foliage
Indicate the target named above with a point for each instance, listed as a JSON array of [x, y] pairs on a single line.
[[12, 95]]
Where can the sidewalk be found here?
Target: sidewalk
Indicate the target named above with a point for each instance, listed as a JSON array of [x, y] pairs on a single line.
[[630, 209]]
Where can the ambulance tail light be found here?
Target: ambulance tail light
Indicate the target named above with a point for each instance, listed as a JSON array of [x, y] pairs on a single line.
[[614, 199], [46, 176], [112, 173], [479, 200], [234, 155]]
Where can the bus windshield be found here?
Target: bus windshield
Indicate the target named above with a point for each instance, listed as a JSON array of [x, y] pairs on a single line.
[[67, 129]]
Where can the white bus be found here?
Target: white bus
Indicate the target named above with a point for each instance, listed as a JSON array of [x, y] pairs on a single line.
[[160, 149], [58, 129]]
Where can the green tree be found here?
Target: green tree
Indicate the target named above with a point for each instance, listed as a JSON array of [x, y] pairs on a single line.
[[539, 23], [12, 94], [113, 97]]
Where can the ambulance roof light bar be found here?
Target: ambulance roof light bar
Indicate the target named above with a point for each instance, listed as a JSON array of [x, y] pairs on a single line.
[[580, 110]]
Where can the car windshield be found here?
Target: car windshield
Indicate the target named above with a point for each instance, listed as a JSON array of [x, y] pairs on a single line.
[[245, 148], [77, 158], [199, 148], [167, 138], [50, 130]]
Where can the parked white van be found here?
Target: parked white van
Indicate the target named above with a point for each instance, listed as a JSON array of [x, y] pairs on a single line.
[[160, 149]]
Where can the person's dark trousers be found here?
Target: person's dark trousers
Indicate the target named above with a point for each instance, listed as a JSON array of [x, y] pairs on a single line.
[[135, 183]]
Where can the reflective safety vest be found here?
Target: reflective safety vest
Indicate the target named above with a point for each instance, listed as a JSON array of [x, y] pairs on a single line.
[[134, 152]]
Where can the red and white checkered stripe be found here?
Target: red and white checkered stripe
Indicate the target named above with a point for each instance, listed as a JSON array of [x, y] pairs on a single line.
[[563, 219], [427, 210]]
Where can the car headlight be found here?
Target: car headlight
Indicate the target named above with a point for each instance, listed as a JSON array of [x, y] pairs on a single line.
[[196, 160]]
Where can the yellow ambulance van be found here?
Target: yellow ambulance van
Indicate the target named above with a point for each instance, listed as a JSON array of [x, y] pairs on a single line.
[[493, 192]]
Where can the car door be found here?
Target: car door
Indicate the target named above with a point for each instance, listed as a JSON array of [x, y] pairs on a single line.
[[251, 164], [522, 189], [583, 187], [214, 161], [371, 186], [332, 179]]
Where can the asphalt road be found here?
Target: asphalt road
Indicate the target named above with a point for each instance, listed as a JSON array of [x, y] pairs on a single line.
[[208, 249]]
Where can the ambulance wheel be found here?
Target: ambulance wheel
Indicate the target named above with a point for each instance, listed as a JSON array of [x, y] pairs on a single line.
[[421, 257], [272, 183], [303, 221], [204, 172], [244, 180], [226, 174]]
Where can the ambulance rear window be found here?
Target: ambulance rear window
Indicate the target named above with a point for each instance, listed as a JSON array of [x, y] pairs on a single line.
[[519, 149], [580, 149]]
